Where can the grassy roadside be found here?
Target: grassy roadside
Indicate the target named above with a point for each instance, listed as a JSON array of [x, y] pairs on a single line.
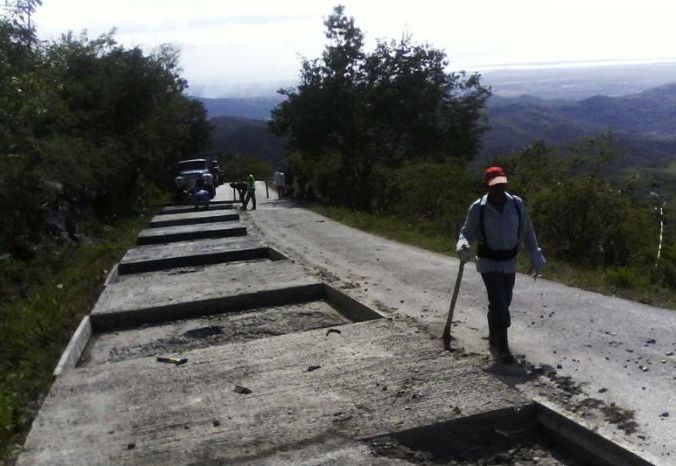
[[608, 282], [34, 330]]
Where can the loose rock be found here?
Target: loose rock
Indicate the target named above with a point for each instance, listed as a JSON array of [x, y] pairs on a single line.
[[241, 390]]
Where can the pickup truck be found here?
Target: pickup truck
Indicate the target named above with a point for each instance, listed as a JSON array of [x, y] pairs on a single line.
[[191, 173]]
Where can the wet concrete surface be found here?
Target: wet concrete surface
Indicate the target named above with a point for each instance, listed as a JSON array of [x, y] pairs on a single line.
[[156, 295], [376, 392], [187, 209], [190, 232], [184, 335], [194, 218], [191, 253], [243, 401]]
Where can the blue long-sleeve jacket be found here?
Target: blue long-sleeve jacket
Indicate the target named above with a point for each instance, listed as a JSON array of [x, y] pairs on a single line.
[[502, 231]]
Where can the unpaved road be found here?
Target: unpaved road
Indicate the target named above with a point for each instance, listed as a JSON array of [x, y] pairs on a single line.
[[616, 351]]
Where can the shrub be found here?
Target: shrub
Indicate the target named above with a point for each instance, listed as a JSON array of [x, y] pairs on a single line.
[[626, 278], [588, 222]]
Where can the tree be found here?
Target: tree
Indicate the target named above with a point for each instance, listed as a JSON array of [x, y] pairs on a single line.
[[395, 104], [86, 122]]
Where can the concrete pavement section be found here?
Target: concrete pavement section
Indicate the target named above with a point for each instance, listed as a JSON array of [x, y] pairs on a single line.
[[184, 209], [193, 218], [279, 366], [192, 253], [374, 378], [190, 232], [183, 335], [190, 292]]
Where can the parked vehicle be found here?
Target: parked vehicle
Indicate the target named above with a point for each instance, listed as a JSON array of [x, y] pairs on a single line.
[[189, 172]]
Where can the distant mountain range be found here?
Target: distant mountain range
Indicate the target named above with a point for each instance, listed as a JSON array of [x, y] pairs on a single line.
[[256, 108], [579, 82], [643, 124]]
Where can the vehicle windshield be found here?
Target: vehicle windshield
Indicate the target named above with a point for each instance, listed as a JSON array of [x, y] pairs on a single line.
[[190, 165]]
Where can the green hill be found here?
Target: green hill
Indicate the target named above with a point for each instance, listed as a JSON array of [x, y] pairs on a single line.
[[643, 124], [246, 136]]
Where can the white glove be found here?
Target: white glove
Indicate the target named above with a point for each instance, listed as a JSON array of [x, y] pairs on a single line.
[[464, 252]]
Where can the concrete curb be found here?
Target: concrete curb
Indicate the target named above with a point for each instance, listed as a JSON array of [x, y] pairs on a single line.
[[190, 235], [78, 342], [112, 275], [186, 208], [194, 221], [348, 307], [195, 260], [591, 445]]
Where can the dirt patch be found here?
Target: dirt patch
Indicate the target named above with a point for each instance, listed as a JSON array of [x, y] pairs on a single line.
[[530, 449], [565, 391], [204, 332], [184, 335]]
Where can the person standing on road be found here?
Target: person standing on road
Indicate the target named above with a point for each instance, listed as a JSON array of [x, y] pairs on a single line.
[[280, 182], [250, 193], [499, 223]]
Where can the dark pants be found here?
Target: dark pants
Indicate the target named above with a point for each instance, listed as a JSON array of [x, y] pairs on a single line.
[[499, 287], [250, 196]]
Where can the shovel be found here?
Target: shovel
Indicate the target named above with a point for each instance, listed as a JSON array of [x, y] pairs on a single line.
[[446, 336]]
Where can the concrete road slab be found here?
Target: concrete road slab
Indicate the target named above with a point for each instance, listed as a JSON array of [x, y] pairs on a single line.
[[199, 291], [190, 232], [193, 218], [184, 335], [332, 449], [192, 253], [182, 209], [374, 378]]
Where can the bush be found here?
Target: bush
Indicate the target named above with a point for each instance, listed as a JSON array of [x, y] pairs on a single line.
[[427, 192], [588, 222], [665, 273], [627, 278]]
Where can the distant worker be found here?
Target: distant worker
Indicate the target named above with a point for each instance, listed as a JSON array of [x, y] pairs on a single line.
[[241, 188], [250, 193], [280, 182], [499, 223], [200, 195]]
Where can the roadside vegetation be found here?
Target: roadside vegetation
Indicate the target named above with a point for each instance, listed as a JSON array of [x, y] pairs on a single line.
[[386, 141], [58, 291], [239, 166], [89, 135]]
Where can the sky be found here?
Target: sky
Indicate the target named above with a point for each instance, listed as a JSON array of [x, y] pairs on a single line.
[[233, 47]]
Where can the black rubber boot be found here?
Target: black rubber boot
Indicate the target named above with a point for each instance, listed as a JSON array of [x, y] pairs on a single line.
[[492, 338], [504, 354]]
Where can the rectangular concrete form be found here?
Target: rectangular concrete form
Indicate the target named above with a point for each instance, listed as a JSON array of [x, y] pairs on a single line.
[[372, 379], [193, 218], [190, 232], [181, 209], [180, 336], [191, 292], [194, 253]]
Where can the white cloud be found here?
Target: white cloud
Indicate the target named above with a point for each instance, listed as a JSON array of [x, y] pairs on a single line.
[[243, 41]]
